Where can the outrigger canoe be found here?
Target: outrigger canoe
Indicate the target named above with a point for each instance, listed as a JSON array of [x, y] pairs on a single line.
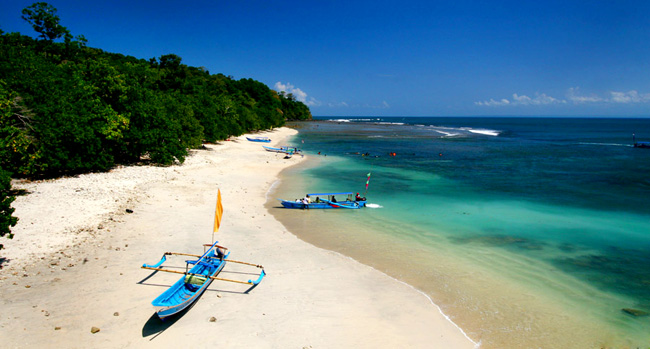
[[259, 139], [283, 149], [195, 280], [318, 201]]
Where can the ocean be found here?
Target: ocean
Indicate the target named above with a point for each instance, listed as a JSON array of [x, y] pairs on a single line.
[[525, 231]]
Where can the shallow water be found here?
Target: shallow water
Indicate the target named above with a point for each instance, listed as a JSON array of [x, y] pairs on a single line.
[[525, 232]]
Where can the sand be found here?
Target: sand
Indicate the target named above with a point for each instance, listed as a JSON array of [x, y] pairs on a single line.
[[74, 264]]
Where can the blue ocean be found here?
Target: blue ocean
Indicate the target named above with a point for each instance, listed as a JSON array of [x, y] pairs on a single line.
[[526, 232]]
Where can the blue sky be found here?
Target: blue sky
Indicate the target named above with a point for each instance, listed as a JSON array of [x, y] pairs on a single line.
[[390, 58]]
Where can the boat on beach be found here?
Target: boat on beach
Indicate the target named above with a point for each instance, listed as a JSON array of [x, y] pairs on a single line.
[[283, 149], [198, 275], [325, 201], [259, 139], [189, 287]]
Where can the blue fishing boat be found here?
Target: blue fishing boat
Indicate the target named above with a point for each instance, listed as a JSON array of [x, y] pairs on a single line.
[[640, 144], [259, 139], [283, 149], [326, 201], [198, 275], [189, 287]]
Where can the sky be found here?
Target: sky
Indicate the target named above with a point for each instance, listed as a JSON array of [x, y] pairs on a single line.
[[393, 58]]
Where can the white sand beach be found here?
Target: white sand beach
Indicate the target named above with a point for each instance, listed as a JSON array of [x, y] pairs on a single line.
[[74, 264]]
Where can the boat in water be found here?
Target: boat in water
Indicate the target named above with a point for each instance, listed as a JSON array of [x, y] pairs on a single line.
[[640, 144], [259, 139], [326, 201]]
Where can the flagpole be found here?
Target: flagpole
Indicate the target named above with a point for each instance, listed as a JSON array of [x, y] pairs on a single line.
[[367, 183]]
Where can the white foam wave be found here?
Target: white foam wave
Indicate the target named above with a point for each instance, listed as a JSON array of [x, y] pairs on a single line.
[[374, 206], [271, 189], [350, 120], [485, 132], [447, 134], [612, 144], [390, 123]]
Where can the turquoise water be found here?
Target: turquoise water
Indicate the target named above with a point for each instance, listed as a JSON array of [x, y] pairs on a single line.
[[526, 231]]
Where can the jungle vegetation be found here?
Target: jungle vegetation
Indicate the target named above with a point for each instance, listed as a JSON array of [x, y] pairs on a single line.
[[67, 108]]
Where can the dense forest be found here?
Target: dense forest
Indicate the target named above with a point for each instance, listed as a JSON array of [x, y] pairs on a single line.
[[66, 108]]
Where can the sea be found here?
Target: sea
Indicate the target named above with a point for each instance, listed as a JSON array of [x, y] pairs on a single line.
[[525, 231]]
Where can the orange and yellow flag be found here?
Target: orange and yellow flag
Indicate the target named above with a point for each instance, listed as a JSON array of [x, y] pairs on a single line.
[[218, 213]]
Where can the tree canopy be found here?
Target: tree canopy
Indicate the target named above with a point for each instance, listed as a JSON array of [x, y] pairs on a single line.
[[42, 16]]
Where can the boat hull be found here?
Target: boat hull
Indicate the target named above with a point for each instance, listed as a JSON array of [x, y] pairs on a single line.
[[182, 293], [286, 150], [262, 140], [323, 205]]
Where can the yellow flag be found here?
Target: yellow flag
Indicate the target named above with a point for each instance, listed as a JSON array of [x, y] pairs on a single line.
[[218, 213]]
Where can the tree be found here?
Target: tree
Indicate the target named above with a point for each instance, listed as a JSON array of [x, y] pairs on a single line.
[[7, 137], [6, 219], [42, 16]]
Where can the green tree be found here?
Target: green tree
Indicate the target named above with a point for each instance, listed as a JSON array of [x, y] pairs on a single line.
[[8, 135], [6, 219], [42, 16]]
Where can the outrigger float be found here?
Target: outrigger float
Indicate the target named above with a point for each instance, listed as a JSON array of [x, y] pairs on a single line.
[[197, 279]]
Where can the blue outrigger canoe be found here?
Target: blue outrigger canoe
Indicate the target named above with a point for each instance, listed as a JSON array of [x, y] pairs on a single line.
[[318, 201], [195, 281], [259, 139], [283, 149]]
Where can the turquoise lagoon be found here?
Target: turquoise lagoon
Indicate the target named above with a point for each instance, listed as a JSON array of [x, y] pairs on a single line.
[[527, 232]]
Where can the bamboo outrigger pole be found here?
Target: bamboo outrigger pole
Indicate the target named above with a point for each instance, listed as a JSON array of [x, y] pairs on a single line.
[[228, 260], [201, 275]]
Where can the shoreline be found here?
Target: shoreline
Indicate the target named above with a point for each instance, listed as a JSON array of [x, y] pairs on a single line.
[[497, 293], [86, 252]]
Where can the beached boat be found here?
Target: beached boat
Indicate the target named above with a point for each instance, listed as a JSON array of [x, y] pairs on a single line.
[[195, 280], [190, 286], [325, 201], [259, 139], [283, 149]]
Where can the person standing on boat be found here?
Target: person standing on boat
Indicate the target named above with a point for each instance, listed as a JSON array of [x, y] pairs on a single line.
[[220, 253], [306, 200], [358, 197]]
